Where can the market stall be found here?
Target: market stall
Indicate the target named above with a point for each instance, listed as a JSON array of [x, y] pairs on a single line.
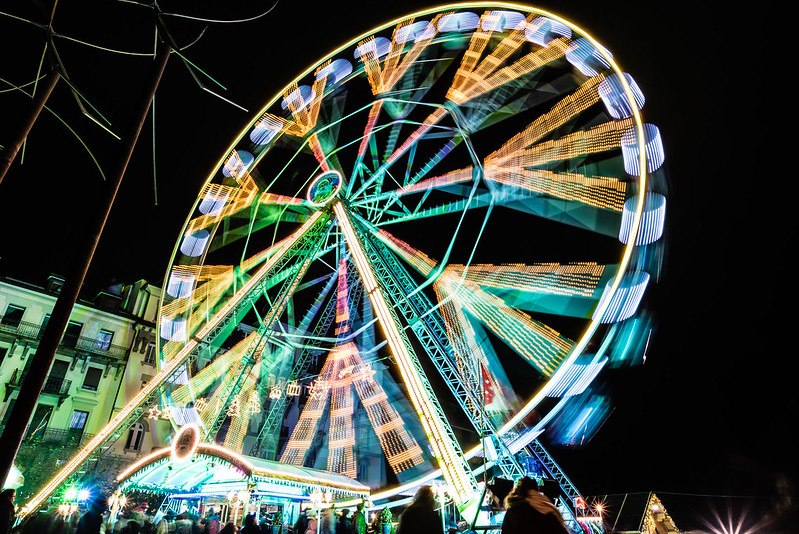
[[196, 477]]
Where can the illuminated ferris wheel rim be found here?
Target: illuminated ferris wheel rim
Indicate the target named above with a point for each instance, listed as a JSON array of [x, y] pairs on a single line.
[[629, 246], [642, 165]]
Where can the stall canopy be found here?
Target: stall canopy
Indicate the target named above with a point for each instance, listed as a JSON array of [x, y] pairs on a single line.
[[215, 470]]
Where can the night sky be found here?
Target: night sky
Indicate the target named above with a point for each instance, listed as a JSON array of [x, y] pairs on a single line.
[[710, 412]]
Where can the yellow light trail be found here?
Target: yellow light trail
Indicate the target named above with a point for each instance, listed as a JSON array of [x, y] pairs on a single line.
[[235, 200], [566, 109], [383, 78], [306, 114], [572, 279], [597, 191], [212, 372]]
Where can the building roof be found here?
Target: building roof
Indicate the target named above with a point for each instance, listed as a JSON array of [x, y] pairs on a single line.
[[636, 512]]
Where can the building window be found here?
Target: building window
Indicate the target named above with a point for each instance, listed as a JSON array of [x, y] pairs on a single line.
[[13, 315], [92, 379], [3, 352], [77, 424], [104, 340], [71, 334], [135, 437], [55, 380], [149, 354]]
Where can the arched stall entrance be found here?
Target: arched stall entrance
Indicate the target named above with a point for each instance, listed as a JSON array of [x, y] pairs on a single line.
[[207, 476]]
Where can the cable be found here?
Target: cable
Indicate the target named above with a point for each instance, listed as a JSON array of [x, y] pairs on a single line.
[[114, 51], [180, 15], [713, 495]]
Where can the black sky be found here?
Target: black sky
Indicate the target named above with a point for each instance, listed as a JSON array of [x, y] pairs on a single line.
[[712, 409]]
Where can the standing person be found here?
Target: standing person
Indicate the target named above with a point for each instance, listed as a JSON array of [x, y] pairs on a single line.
[[8, 512], [358, 524], [328, 524], [302, 522], [420, 517], [527, 510], [250, 526], [344, 525], [310, 526], [91, 521], [182, 524], [212, 522]]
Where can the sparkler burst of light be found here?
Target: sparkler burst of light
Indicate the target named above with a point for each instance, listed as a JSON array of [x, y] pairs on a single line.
[[734, 522]]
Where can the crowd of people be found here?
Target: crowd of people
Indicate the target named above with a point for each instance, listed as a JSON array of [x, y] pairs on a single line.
[[331, 521], [526, 510], [97, 519]]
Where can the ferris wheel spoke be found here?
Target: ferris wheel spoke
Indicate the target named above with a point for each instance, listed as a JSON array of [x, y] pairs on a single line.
[[267, 435], [568, 290], [600, 192], [477, 201], [597, 139], [304, 103], [208, 375], [384, 74], [220, 202], [540, 345], [565, 110], [502, 166], [476, 77], [259, 347], [478, 363]]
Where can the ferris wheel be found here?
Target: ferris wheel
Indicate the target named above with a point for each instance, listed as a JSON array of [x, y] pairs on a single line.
[[449, 220], [417, 257]]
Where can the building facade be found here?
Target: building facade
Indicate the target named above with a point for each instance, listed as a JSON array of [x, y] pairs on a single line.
[[106, 354]]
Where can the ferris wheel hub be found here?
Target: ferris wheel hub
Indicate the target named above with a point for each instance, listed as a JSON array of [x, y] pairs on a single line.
[[324, 188]]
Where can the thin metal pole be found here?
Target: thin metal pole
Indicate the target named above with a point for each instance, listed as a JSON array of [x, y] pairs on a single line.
[[31, 388], [39, 100]]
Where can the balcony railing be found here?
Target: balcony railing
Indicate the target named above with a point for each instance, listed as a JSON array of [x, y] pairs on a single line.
[[54, 385], [79, 343], [65, 436], [71, 436]]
